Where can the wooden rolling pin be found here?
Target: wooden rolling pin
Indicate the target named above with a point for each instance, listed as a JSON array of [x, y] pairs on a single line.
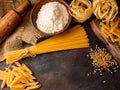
[[12, 19]]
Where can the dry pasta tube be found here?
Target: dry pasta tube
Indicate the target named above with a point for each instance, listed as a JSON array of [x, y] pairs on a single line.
[[18, 77], [105, 9], [111, 30], [81, 10]]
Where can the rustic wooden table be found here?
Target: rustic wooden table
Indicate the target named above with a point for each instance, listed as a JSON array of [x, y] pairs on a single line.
[[67, 70]]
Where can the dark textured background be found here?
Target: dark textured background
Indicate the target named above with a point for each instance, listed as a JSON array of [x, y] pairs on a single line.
[[67, 70]]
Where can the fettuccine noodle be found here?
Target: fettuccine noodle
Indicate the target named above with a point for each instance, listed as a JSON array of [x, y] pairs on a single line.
[[81, 10], [105, 9]]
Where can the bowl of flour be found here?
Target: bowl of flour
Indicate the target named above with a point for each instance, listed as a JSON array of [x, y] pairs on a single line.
[[51, 17]]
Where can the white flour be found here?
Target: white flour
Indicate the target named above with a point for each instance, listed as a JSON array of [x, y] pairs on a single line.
[[52, 17]]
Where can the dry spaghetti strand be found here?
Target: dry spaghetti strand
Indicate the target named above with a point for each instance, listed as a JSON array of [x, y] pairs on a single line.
[[74, 38]]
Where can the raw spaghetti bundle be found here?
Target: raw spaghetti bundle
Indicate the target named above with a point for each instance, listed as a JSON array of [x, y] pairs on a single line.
[[74, 38]]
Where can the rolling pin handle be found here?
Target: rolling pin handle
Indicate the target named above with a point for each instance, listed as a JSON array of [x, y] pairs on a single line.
[[23, 7]]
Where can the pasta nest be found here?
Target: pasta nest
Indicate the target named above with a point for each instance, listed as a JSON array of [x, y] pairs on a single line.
[[81, 10], [105, 9]]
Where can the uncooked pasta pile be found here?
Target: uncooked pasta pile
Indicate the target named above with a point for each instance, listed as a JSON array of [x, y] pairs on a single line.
[[74, 38], [102, 60]]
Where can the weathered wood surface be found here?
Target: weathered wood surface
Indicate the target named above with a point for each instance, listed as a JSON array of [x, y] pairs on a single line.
[[67, 70]]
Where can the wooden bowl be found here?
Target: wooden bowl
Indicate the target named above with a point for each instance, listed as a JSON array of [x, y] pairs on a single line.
[[36, 9]]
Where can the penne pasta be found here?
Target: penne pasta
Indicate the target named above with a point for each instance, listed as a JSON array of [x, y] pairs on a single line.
[[111, 29], [18, 78]]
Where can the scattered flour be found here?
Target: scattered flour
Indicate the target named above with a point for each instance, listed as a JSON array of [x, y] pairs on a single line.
[[52, 17]]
